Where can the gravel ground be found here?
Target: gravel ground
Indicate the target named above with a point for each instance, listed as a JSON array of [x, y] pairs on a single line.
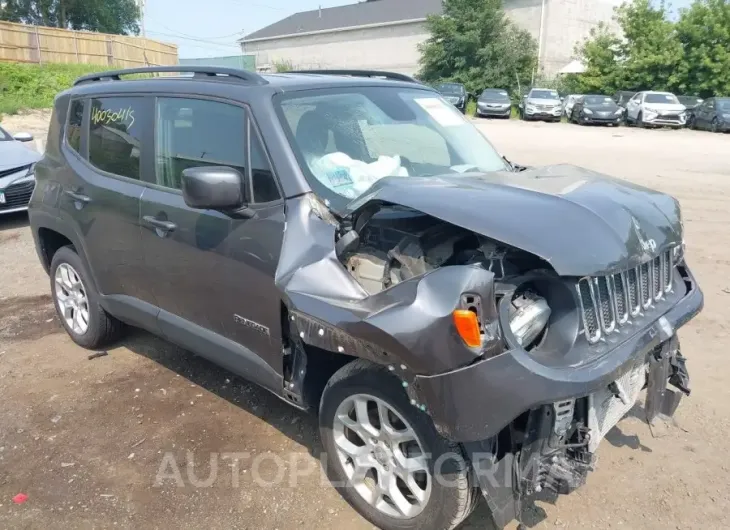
[[87, 440]]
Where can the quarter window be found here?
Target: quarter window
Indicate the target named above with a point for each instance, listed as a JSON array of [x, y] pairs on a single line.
[[115, 135], [264, 183], [194, 133], [73, 129]]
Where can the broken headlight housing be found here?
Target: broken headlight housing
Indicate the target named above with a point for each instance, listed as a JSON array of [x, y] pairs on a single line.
[[529, 316]]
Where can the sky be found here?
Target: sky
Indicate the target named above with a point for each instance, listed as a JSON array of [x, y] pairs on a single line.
[[210, 28]]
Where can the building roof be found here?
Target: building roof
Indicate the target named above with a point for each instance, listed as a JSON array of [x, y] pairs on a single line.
[[371, 12]]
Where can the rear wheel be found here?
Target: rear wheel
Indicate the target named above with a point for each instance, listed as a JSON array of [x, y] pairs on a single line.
[[385, 456], [77, 302], [713, 125]]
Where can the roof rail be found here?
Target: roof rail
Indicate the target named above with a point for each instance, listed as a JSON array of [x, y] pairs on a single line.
[[197, 71], [359, 73]]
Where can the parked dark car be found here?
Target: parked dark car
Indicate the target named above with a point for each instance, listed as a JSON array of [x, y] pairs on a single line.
[[596, 109], [455, 93], [357, 247], [622, 97], [17, 168], [494, 102], [712, 115]]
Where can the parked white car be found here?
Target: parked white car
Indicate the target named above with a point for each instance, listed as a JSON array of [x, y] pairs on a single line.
[[655, 109], [569, 103]]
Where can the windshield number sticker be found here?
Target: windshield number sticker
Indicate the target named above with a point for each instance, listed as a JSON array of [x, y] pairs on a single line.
[[444, 114], [340, 177]]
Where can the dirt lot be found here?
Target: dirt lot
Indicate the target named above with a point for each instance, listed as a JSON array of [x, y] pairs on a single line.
[[86, 439]]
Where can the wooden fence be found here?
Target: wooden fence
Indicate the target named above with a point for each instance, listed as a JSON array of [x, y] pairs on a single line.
[[39, 44]]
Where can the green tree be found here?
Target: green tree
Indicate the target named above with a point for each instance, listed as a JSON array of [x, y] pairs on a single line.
[[600, 54], [474, 43], [648, 56], [704, 32], [106, 16]]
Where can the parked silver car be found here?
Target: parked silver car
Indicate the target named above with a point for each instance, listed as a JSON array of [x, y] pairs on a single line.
[[17, 178], [655, 109], [541, 104]]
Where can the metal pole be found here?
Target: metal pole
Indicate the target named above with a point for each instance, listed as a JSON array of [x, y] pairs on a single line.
[[539, 39], [142, 6], [38, 43]]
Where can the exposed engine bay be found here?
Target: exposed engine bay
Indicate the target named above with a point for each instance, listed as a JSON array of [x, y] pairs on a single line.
[[396, 244]]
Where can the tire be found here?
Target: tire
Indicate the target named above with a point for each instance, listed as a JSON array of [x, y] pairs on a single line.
[[101, 328], [713, 125], [691, 123], [448, 503], [640, 121]]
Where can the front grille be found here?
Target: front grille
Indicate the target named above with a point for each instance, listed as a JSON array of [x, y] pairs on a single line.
[[17, 195], [608, 302]]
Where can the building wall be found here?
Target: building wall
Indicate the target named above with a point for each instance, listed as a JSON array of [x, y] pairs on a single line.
[[566, 23], [392, 48]]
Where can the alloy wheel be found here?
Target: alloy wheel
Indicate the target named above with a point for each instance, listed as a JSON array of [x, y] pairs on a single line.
[[72, 300], [382, 456]]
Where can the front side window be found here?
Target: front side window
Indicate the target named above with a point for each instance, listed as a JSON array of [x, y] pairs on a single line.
[[115, 135], [73, 129], [723, 104], [348, 139], [197, 132]]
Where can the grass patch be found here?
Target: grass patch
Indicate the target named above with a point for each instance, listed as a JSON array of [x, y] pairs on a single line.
[[32, 86], [471, 108]]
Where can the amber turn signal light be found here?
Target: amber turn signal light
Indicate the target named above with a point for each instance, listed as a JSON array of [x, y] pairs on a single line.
[[468, 327]]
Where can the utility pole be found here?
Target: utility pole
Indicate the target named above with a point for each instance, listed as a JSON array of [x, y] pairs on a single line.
[[142, 5]]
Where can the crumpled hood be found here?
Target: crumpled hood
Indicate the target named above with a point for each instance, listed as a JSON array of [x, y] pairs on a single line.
[[579, 221]]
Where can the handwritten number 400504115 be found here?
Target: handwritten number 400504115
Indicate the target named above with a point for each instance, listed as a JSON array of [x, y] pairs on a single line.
[[107, 116]]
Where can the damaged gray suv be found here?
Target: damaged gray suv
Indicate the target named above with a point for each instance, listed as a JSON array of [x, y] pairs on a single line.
[[463, 327]]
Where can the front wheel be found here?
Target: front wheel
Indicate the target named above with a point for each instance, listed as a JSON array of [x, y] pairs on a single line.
[[713, 125], [640, 121], [385, 456]]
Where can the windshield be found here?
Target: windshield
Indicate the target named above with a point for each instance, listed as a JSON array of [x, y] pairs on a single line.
[[347, 139], [660, 98], [544, 94], [689, 100], [4, 136], [598, 100], [451, 88], [495, 95]]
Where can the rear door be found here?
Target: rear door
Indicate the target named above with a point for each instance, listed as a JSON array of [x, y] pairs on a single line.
[[101, 186], [213, 273]]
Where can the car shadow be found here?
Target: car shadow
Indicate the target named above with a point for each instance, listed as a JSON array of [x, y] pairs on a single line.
[[617, 438], [12, 221], [297, 425]]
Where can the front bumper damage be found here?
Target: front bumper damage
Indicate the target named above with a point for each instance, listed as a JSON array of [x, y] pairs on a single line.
[[486, 400]]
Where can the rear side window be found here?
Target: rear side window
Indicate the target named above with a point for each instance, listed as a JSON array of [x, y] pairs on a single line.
[[73, 129], [197, 132], [115, 135]]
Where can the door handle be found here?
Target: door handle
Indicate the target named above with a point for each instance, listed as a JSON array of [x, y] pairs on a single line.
[[78, 197], [159, 224]]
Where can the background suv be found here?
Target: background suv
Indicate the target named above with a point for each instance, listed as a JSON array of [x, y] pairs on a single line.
[[541, 104]]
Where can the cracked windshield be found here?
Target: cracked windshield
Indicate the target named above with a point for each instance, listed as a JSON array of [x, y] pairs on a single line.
[[348, 140]]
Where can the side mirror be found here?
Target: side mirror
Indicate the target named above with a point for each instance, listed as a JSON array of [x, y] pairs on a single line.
[[213, 188], [23, 137]]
